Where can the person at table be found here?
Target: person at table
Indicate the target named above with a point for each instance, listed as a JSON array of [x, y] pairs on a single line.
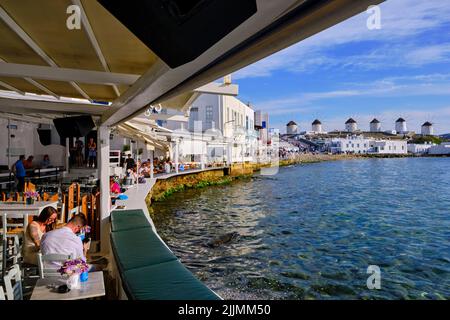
[[168, 167], [45, 163], [65, 241], [114, 186], [28, 164], [129, 162], [19, 172], [35, 230]]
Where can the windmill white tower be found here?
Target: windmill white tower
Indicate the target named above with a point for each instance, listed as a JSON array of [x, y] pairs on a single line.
[[375, 125], [427, 129], [400, 126], [317, 126], [351, 125], [291, 128]]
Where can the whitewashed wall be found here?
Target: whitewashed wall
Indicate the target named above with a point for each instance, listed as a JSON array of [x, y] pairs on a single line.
[[26, 141]]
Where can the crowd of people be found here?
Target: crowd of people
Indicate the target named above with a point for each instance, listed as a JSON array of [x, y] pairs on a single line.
[[78, 151], [20, 167]]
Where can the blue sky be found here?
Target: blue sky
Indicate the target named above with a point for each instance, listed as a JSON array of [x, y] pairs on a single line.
[[403, 69]]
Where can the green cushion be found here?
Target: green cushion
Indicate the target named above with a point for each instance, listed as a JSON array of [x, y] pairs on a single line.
[[138, 248], [128, 219], [165, 281]]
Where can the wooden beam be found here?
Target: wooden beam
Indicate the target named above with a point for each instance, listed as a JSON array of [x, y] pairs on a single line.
[[65, 74], [93, 39], [42, 106]]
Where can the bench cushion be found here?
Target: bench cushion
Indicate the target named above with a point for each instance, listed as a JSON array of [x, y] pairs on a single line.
[[165, 281], [138, 248], [128, 219]]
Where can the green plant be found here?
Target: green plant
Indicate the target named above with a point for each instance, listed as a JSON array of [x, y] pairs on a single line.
[[423, 139], [126, 147]]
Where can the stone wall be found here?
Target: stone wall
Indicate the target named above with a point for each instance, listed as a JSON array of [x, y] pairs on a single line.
[[165, 187]]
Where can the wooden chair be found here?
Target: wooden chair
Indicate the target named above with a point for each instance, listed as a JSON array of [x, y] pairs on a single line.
[[97, 216], [44, 270], [54, 197], [84, 205], [70, 197], [30, 187], [63, 217], [13, 291]]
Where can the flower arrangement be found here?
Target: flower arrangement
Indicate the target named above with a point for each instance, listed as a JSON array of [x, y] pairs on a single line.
[[86, 229], [31, 194], [73, 266]]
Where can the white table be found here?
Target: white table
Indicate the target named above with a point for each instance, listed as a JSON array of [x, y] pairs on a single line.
[[93, 287], [20, 210]]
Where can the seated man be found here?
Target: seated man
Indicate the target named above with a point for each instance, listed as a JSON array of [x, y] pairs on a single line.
[[65, 240], [28, 164]]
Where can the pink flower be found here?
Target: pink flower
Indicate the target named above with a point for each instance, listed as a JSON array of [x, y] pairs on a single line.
[[75, 266]]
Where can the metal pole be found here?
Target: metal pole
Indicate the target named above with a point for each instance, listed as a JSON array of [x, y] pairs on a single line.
[[5, 244], [151, 164], [67, 155], [9, 143], [137, 164], [176, 156]]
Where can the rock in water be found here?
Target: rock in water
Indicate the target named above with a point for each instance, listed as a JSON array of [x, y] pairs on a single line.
[[223, 239]]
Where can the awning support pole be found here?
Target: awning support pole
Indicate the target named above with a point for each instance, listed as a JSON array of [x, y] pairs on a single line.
[[176, 155], [103, 175]]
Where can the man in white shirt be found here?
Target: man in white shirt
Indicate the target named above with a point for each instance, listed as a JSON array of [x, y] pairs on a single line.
[[65, 241]]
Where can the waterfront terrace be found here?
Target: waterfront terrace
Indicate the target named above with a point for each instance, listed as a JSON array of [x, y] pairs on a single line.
[[87, 69]]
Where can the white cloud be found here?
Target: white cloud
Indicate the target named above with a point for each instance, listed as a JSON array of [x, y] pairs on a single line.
[[418, 85], [402, 22]]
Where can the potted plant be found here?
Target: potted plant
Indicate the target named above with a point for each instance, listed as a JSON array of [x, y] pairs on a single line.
[[31, 196], [74, 269]]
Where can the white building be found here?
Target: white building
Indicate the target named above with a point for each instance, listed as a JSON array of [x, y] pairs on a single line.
[[316, 126], [419, 148], [441, 149], [291, 128], [351, 125], [389, 147], [400, 126], [24, 138], [427, 129], [229, 117], [361, 145], [375, 125], [351, 144], [262, 126]]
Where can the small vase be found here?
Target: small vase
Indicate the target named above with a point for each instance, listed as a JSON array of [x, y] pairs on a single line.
[[30, 201], [74, 281]]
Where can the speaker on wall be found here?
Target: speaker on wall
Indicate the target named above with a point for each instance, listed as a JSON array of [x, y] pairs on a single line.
[[78, 126]]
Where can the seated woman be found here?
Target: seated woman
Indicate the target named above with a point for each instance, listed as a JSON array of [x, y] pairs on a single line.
[[35, 230], [114, 186], [45, 163]]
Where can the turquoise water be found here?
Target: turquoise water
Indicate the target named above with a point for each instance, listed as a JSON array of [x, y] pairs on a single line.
[[311, 231]]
